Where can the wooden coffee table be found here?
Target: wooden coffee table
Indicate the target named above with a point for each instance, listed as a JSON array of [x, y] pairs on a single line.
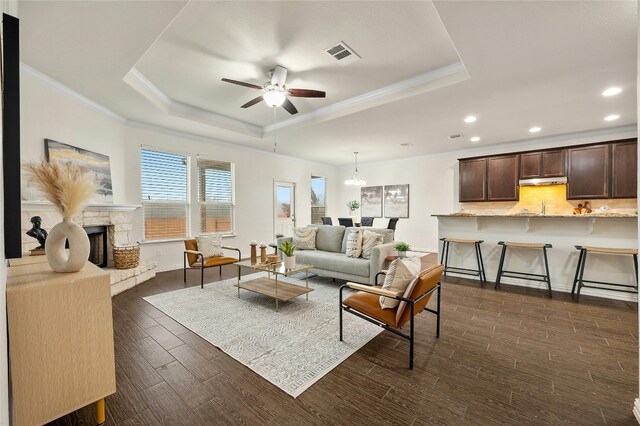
[[272, 287]]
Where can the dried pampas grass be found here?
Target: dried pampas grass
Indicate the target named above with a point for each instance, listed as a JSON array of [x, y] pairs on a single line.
[[66, 185]]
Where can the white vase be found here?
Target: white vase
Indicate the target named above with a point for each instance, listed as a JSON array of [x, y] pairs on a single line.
[[78, 247], [289, 262]]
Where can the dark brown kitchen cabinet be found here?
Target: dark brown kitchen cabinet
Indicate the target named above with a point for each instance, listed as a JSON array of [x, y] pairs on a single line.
[[473, 179], [502, 178], [588, 172], [542, 164], [624, 169]]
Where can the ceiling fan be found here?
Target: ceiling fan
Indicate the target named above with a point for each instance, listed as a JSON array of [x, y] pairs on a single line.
[[275, 93]]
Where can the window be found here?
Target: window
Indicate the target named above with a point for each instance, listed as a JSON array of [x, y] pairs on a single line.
[[318, 199], [165, 200], [215, 194]]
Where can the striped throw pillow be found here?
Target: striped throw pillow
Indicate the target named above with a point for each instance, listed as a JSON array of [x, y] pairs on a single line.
[[369, 241], [400, 274]]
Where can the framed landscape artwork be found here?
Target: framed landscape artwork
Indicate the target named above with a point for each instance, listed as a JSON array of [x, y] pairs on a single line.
[[371, 201], [396, 201], [97, 165]]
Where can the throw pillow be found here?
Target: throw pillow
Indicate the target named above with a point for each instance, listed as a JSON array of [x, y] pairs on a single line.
[[400, 274], [354, 243], [369, 241], [304, 238], [210, 245]]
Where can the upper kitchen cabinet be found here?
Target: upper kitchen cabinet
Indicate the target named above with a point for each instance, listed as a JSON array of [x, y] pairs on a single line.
[[542, 164], [502, 178], [473, 179], [588, 172], [624, 169]]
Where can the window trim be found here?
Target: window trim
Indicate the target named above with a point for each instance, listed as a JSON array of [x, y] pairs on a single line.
[[232, 232]]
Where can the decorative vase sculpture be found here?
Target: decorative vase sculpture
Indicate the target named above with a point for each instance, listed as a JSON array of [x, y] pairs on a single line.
[[68, 188], [289, 262]]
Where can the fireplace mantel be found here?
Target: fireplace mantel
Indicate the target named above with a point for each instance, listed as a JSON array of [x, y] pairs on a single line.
[[30, 206]]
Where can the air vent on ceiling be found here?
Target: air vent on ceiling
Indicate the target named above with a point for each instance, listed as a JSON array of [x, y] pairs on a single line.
[[343, 53], [405, 144], [456, 136]]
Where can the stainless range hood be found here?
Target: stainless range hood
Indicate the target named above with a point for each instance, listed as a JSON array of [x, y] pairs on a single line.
[[543, 181]]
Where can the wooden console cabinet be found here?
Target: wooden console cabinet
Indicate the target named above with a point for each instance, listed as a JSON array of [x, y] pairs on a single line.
[[61, 351]]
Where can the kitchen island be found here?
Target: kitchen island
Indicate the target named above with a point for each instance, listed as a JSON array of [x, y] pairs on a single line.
[[564, 232]]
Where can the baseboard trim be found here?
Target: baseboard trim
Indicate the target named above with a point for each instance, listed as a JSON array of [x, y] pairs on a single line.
[[636, 409]]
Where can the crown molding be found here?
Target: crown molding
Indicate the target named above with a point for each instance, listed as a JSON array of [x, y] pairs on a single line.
[[199, 138], [48, 81], [431, 80], [146, 88]]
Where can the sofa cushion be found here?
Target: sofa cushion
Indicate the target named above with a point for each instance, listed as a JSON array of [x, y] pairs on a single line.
[[337, 262], [386, 233], [329, 238], [304, 238]]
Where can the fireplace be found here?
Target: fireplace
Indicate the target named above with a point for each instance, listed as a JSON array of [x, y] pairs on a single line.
[[98, 243]]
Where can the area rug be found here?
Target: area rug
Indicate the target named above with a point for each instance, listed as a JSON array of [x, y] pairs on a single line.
[[292, 348]]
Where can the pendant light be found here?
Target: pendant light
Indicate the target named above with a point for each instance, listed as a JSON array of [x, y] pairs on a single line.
[[355, 180]]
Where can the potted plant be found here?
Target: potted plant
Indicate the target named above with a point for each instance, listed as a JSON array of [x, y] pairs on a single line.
[[353, 205], [402, 248], [288, 248]]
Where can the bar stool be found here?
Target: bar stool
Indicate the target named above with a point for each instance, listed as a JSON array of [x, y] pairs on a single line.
[[579, 280], [545, 278], [444, 258]]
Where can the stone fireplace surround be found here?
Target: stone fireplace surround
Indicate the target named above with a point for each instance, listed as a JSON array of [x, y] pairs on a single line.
[[119, 221]]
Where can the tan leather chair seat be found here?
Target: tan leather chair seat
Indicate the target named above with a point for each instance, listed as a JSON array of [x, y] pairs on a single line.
[[216, 261], [369, 304]]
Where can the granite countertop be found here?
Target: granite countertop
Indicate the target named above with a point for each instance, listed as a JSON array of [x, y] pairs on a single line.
[[529, 215]]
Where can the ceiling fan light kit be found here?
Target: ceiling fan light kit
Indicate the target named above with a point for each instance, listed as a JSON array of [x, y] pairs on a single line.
[[355, 180], [275, 94]]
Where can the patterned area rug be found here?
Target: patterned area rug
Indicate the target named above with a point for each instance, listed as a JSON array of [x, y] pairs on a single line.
[[292, 348]]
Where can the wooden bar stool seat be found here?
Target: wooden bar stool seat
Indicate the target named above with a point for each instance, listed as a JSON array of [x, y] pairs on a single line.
[[546, 277], [444, 259], [579, 281]]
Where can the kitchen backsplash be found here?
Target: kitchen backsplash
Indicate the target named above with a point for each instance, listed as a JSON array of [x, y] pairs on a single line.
[[555, 200]]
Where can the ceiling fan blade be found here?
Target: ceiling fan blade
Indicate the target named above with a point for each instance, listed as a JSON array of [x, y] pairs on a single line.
[[241, 83], [307, 93], [279, 75], [289, 107], [252, 102]]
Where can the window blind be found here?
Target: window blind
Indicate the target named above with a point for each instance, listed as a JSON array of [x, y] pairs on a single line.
[[215, 194], [318, 199], [164, 181]]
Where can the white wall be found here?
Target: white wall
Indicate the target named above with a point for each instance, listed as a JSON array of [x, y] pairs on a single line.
[[433, 182], [51, 111], [255, 172]]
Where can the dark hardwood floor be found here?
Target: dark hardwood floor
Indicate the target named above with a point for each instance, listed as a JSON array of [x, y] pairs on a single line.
[[506, 357]]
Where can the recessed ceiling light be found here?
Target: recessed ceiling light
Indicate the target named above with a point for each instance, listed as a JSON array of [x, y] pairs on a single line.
[[611, 117], [474, 139], [611, 91], [470, 119], [534, 129]]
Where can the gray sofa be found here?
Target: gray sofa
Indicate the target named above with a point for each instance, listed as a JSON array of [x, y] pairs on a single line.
[[329, 258]]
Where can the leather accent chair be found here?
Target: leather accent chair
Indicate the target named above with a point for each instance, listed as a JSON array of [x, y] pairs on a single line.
[[196, 260], [365, 303], [366, 221], [326, 220], [345, 221]]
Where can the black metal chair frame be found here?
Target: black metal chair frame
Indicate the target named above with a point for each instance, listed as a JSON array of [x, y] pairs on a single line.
[[545, 278], [200, 257], [480, 272], [579, 280], [411, 303]]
